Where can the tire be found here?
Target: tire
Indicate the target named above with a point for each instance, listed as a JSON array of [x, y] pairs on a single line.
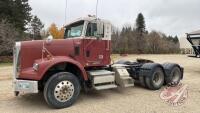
[[61, 90], [156, 80], [142, 81], [174, 76]]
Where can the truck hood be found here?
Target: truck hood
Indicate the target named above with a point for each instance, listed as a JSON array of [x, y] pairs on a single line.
[[32, 50]]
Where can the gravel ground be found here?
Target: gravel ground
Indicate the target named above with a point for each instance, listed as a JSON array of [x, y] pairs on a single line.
[[130, 100]]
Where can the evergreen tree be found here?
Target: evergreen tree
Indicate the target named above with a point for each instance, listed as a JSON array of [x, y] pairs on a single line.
[[140, 23], [36, 27], [140, 29], [175, 40], [17, 12]]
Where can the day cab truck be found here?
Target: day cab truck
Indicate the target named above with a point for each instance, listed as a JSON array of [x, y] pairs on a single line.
[[61, 68]]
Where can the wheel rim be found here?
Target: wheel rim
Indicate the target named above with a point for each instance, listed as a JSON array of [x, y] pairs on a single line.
[[64, 91], [157, 79], [175, 77]]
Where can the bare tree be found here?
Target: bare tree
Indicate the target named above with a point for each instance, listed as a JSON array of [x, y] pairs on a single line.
[[8, 36], [154, 42]]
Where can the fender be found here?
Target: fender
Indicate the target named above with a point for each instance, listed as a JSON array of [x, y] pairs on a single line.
[[45, 64], [169, 66], [146, 69]]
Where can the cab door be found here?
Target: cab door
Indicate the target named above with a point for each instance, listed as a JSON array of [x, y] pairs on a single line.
[[94, 46]]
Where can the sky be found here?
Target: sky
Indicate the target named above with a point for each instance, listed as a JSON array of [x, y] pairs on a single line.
[[172, 17]]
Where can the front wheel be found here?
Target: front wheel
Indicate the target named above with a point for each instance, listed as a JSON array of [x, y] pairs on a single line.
[[62, 90]]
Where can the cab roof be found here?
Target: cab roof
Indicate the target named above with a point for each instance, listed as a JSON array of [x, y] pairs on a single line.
[[87, 18]]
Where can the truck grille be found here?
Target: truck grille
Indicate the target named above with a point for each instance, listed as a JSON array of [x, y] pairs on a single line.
[[16, 57]]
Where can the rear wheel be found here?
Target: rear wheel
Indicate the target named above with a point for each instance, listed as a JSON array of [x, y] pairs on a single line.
[[156, 80], [174, 76], [142, 81], [61, 90]]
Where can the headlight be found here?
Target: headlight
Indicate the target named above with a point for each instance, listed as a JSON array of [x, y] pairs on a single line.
[[35, 66]]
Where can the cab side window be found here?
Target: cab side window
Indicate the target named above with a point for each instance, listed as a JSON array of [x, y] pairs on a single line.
[[91, 29]]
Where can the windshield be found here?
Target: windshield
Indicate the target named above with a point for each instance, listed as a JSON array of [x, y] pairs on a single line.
[[74, 30]]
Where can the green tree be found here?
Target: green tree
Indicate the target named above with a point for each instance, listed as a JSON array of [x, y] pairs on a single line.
[[175, 40], [141, 30], [140, 23], [36, 27], [16, 12]]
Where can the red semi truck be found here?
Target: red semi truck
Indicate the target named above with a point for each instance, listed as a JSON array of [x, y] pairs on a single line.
[[61, 68]]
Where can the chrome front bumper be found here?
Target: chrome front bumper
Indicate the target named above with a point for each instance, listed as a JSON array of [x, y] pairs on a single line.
[[25, 86]]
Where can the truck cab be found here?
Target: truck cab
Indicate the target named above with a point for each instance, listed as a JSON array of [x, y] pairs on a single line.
[[61, 68], [92, 39]]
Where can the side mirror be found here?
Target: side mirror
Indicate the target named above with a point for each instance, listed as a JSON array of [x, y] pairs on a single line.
[[100, 31], [49, 39]]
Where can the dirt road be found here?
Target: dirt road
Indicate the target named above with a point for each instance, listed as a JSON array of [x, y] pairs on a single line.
[[130, 100]]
